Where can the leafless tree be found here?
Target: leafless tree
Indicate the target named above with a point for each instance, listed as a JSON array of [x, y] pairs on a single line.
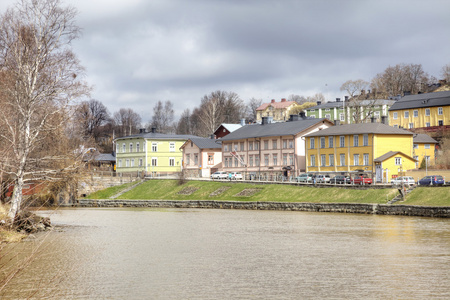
[[126, 122], [91, 116], [297, 98], [445, 73], [184, 124], [253, 104], [40, 79], [354, 87], [163, 117]]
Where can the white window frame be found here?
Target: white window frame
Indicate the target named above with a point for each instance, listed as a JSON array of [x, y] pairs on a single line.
[[312, 143], [406, 114], [416, 113], [172, 147], [342, 159], [138, 147], [398, 161], [426, 146], [427, 112], [342, 117], [323, 160], [440, 111], [124, 148], [366, 159], [154, 161], [171, 161], [342, 141], [395, 115], [313, 160], [331, 159], [330, 141], [355, 140], [356, 159], [322, 142], [131, 147], [154, 147], [365, 140]]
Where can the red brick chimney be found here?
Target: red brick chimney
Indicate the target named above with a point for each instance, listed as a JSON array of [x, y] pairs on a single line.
[[273, 101], [283, 99]]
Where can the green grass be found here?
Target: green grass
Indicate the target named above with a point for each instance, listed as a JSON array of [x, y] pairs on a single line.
[[428, 196], [109, 192], [169, 190]]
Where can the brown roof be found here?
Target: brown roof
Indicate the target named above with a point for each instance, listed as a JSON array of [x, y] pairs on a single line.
[[390, 154], [282, 104]]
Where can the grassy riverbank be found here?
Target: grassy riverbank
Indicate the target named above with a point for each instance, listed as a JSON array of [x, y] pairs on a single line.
[[226, 191], [8, 235]]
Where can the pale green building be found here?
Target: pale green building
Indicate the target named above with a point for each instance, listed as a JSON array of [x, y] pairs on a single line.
[[150, 153]]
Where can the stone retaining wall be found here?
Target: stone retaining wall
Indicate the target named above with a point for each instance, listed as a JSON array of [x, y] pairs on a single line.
[[379, 209]]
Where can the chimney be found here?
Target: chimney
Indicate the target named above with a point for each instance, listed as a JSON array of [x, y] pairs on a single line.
[[319, 102], [283, 99], [338, 99], [242, 122], [373, 119], [142, 130], [272, 101], [302, 115], [212, 136], [337, 122], [346, 98], [153, 129], [294, 118], [265, 120], [384, 119]]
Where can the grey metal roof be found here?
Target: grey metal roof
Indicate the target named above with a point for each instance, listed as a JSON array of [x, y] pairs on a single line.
[[362, 128], [390, 154], [423, 138], [205, 143], [272, 129], [97, 156], [360, 102], [422, 100], [158, 136]]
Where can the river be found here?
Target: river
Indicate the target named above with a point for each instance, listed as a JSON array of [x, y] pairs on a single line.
[[232, 254]]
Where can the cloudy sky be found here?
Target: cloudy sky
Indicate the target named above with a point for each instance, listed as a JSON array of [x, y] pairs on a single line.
[[137, 52]]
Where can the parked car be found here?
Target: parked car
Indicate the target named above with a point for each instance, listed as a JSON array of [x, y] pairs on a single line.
[[432, 180], [219, 175], [340, 179], [360, 179], [235, 176], [403, 179], [304, 178], [323, 178]]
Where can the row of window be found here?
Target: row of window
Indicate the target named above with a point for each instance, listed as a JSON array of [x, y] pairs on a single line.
[[130, 163], [323, 158], [286, 144], [138, 148], [195, 161], [312, 141], [427, 124], [340, 108], [254, 160], [416, 113]]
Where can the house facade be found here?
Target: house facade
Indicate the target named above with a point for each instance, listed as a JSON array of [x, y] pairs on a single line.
[[275, 111], [201, 156], [430, 112], [269, 149], [150, 153], [347, 112], [360, 148], [424, 147]]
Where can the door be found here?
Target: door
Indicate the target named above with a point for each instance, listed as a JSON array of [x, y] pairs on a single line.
[[379, 173]]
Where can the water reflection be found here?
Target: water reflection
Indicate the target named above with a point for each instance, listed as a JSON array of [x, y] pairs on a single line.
[[233, 254]]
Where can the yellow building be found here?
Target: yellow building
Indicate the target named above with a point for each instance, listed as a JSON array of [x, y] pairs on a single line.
[[424, 147], [430, 111], [277, 111], [360, 148]]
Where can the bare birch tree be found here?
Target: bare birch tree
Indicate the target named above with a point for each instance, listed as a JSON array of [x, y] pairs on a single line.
[[126, 122], [40, 79]]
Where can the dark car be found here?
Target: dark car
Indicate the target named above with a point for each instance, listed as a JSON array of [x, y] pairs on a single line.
[[432, 180], [340, 179]]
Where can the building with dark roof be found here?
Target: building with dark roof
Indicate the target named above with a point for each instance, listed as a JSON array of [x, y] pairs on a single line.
[[225, 129], [201, 156], [375, 149], [276, 111], [269, 149], [430, 111]]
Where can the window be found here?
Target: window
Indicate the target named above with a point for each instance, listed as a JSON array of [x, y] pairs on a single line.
[[236, 147], [274, 144], [117, 148], [312, 117], [127, 163], [154, 147], [355, 141], [140, 162], [427, 112], [225, 147], [342, 159], [226, 162], [131, 147], [415, 113], [377, 114], [327, 109], [250, 160], [406, 114], [313, 161], [365, 140], [323, 160], [138, 148], [356, 159], [242, 160], [124, 148], [275, 159], [256, 160], [417, 160], [427, 124], [284, 159], [311, 141], [327, 116], [415, 146], [398, 161], [331, 159], [172, 147], [266, 145], [195, 159], [322, 142], [291, 159], [312, 110], [250, 146], [396, 126], [291, 144], [266, 159], [411, 125], [120, 163], [236, 162], [427, 146], [210, 159], [154, 161], [188, 159], [132, 162], [366, 159], [284, 144], [171, 161], [395, 115], [342, 141], [341, 117], [440, 123], [440, 111], [241, 146], [256, 145], [331, 141]]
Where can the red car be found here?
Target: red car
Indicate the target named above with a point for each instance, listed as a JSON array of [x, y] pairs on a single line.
[[361, 180]]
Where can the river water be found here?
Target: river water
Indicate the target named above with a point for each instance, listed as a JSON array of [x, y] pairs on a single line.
[[232, 254]]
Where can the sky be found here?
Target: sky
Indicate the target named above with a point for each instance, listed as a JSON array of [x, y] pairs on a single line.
[[139, 52]]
